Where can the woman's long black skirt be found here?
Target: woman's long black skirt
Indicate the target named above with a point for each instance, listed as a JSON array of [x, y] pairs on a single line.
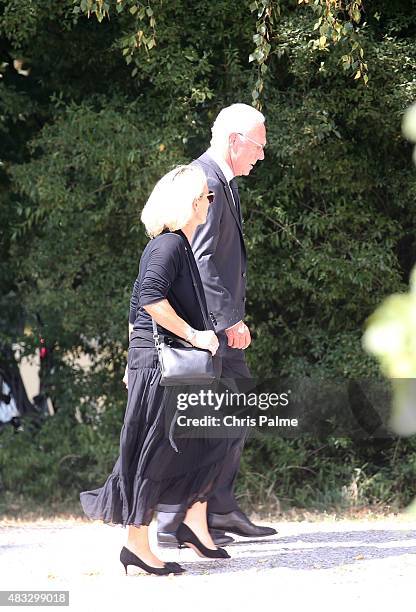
[[150, 471]]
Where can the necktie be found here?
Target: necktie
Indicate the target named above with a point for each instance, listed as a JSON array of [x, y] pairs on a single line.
[[234, 191]]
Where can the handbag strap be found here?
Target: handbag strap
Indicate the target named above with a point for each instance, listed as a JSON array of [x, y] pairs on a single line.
[[198, 295]]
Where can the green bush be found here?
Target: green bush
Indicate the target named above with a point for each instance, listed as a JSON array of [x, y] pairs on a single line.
[[329, 218]]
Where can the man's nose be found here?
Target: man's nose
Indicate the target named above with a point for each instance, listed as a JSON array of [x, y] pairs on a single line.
[[261, 154]]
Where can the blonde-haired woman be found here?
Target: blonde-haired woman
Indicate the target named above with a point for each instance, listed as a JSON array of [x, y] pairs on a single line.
[[151, 470]]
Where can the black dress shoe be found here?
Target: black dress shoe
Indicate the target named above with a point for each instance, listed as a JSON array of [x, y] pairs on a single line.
[[168, 540], [237, 522]]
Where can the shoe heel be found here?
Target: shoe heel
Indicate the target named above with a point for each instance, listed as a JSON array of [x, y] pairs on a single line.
[[125, 568]]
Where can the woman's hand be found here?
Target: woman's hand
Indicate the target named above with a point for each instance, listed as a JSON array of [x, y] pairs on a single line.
[[164, 315], [126, 376], [206, 340]]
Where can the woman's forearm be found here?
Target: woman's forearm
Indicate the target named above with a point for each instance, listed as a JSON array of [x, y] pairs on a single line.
[[163, 313]]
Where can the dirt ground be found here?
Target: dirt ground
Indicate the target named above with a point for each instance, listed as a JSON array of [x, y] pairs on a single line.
[[316, 562]]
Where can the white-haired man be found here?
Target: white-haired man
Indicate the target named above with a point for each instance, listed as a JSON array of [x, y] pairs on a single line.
[[237, 143]]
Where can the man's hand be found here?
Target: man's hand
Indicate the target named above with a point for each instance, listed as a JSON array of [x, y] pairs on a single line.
[[126, 377], [238, 336]]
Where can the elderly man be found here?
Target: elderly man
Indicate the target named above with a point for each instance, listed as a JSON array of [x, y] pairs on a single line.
[[238, 141]]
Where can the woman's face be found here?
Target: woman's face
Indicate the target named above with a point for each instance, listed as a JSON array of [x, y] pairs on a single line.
[[201, 205]]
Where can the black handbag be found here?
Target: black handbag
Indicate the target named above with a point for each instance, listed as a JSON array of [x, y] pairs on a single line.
[[180, 362]]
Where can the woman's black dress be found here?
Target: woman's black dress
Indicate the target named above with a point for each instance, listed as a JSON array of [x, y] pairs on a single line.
[[152, 471]]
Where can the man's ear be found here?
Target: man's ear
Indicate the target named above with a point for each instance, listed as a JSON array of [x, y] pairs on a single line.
[[231, 139]]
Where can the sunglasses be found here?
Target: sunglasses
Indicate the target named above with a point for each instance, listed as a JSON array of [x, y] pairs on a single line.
[[262, 146], [210, 195]]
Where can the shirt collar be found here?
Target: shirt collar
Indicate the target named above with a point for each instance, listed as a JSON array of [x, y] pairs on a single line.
[[220, 161]]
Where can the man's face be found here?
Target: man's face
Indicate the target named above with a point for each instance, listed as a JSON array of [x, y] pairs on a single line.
[[245, 150]]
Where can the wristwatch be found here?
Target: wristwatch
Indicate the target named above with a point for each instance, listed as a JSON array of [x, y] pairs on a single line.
[[190, 335]]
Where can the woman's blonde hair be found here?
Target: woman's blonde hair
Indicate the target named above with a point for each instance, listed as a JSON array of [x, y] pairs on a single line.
[[170, 204]]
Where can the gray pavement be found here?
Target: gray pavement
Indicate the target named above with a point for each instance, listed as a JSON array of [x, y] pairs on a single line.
[[323, 564]]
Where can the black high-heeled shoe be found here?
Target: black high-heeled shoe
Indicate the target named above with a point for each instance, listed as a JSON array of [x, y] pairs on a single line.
[[129, 558], [186, 536]]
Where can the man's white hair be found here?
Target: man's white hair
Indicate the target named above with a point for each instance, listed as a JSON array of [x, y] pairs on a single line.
[[234, 119], [170, 204]]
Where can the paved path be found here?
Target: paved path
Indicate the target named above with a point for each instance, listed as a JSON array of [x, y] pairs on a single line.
[[326, 565]]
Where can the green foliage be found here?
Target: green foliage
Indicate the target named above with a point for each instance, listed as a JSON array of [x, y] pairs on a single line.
[[87, 129], [329, 216], [335, 474], [266, 11], [57, 459], [390, 333], [90, 173], [341, 22]]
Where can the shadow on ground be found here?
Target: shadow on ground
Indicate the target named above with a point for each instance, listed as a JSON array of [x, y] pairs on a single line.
[[262, 555]]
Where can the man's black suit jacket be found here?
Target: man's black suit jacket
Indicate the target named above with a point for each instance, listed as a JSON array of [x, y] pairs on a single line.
[[220, 253]]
